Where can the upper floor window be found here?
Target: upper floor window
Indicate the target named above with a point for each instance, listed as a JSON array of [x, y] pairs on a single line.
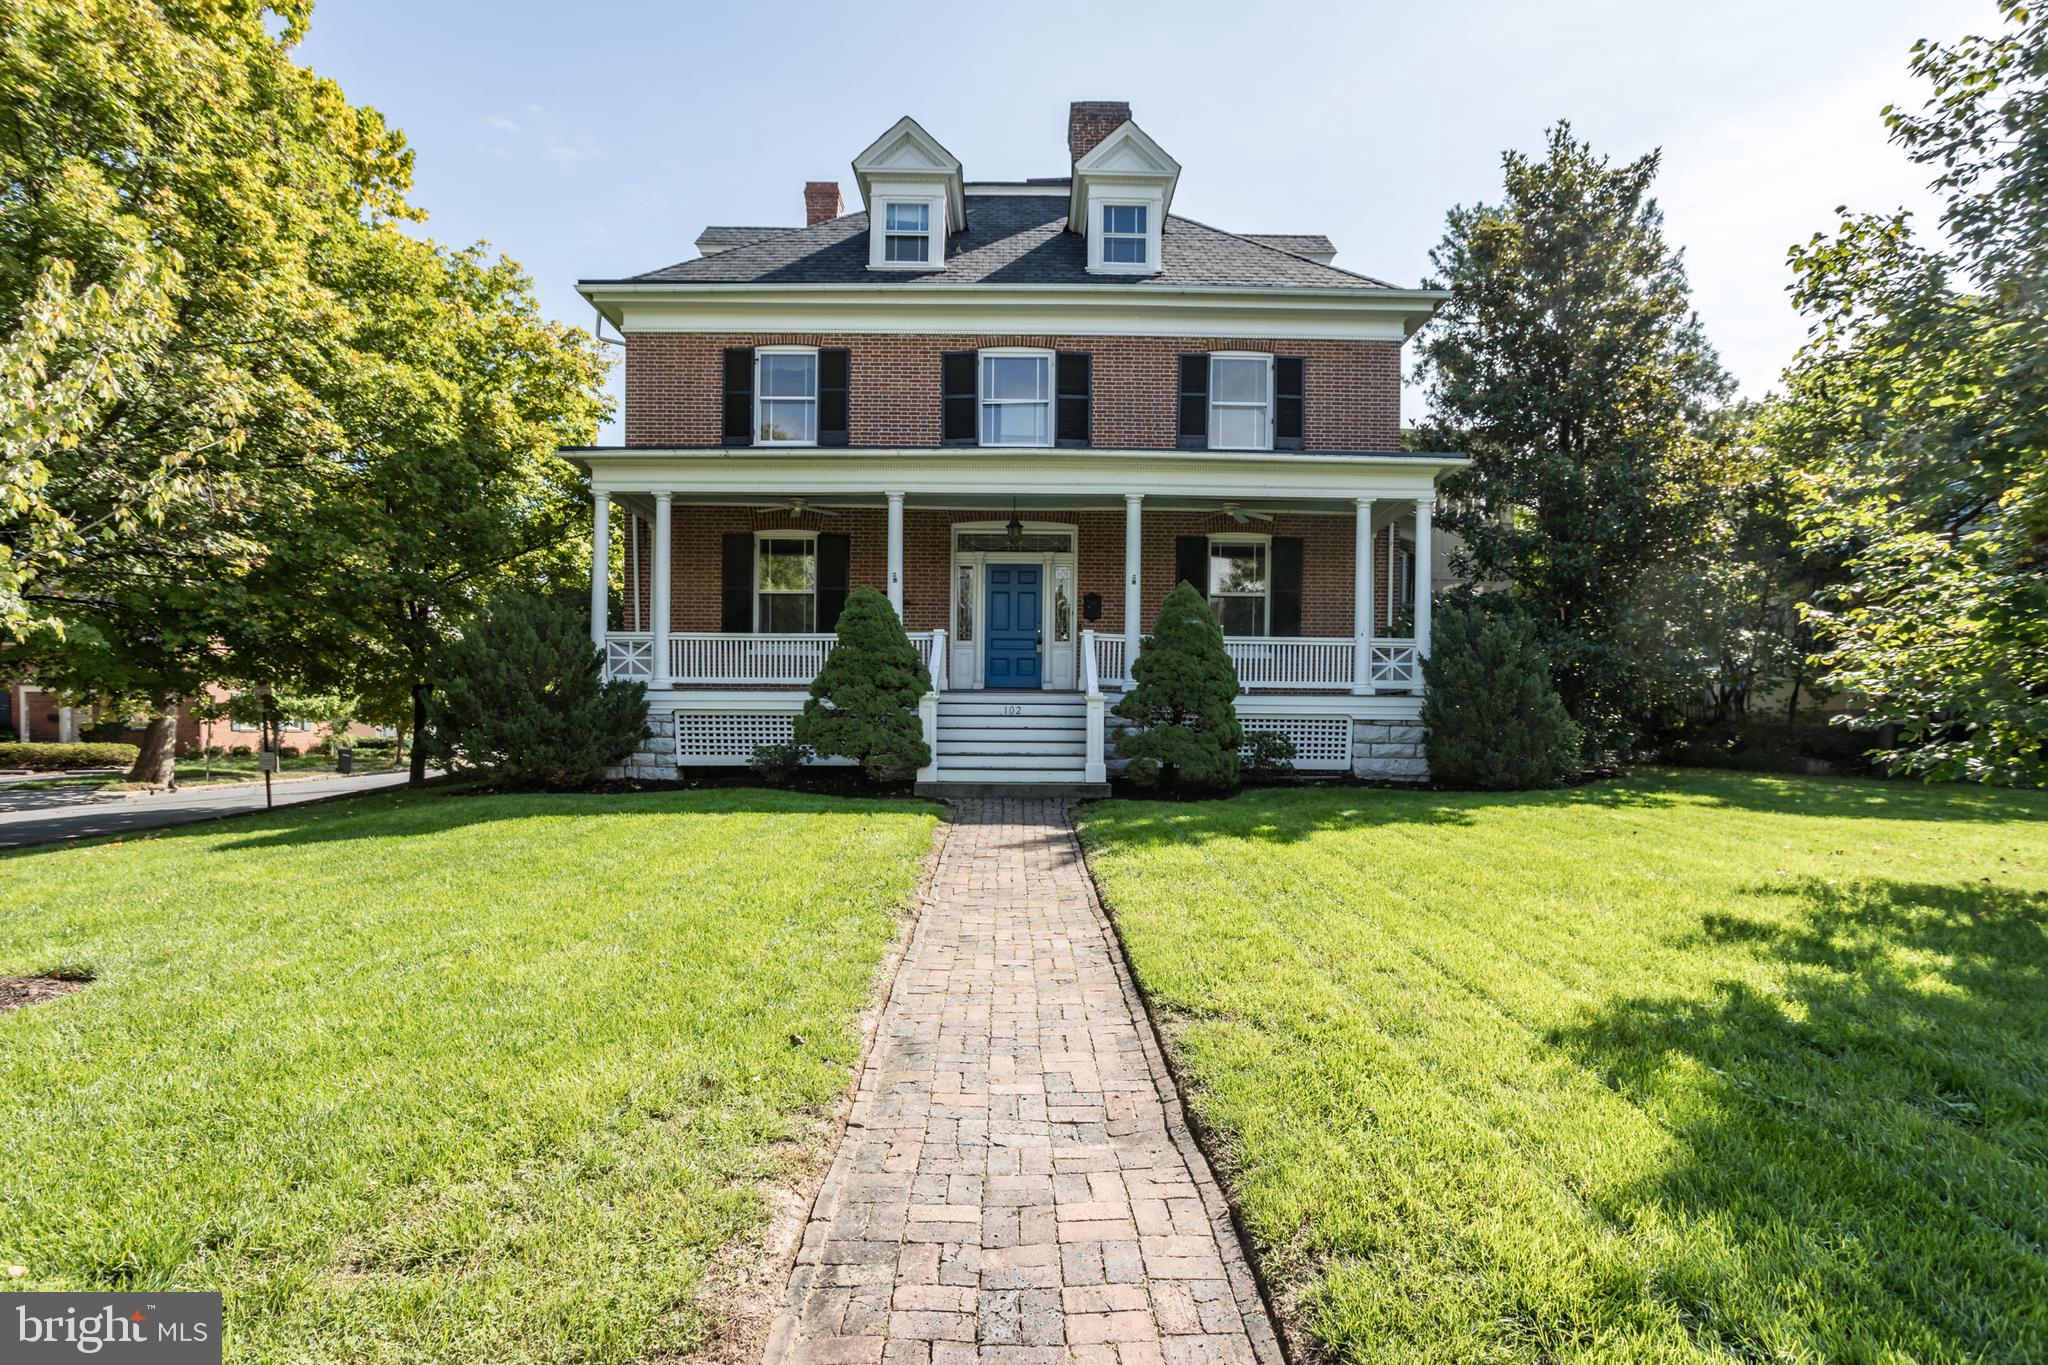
[[1240, 402], [1016, 398], [907, 232], [786, 397], [1239, 584], [1123, 234]]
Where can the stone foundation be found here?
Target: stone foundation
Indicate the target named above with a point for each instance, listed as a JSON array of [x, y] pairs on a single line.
[[655, 759], [1390, 751]]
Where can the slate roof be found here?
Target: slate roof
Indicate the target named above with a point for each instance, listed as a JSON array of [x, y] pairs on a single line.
[[1299, 243], [1010, 239], [737, 236]]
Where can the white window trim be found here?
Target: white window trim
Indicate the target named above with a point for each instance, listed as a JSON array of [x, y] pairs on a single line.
[[1214, 404], [760, 397], [1050, 401], [1155, 215], [935, 235], [926, 235], [1144, 237], [1265, 542], [759, 537]]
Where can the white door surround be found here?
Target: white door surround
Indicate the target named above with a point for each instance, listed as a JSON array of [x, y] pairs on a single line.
[[967, 589]]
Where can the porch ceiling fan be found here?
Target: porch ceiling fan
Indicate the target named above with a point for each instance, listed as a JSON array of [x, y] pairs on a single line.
[[796, 507], [1239, 515]]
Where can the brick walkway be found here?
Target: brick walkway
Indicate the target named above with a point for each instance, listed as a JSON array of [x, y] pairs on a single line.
[[1015, 1185]]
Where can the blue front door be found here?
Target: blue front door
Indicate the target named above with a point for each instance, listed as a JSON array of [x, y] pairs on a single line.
[[1012, 625]]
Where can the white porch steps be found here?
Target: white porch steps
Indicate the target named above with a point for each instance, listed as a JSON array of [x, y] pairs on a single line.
[[1036, 741]]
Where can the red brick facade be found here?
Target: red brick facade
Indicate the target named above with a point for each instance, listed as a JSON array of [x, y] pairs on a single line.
[[697, 532], [674, 386]]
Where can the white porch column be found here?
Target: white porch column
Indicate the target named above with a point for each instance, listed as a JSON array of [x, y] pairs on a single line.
[[896, 553], [1361, 602], [1134, 560], [1423, 508], [600, 567], [664, 514]]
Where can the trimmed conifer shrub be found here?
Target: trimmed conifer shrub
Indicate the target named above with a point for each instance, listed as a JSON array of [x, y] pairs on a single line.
[[1183, 701], [863, 703], [523, 702], [1491, 718]]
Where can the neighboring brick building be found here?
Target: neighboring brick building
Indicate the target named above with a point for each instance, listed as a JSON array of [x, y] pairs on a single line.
[[1024, 410]]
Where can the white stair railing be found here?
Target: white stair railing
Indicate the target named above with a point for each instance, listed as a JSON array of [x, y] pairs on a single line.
[[1091, 689]]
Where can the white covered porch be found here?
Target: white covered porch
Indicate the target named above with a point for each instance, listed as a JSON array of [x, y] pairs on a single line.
[[716, 694]]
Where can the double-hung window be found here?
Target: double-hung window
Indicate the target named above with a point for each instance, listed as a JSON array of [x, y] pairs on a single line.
[[1123, 234], [1016, 398], [785, 397], [1239, 585], [1240, 402], [906, 232], [786, 584]]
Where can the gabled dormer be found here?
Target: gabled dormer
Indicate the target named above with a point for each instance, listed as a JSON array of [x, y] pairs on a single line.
[[1122, 191], [915, 197]]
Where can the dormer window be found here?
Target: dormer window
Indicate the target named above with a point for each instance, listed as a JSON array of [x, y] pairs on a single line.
[[916, 199], [907, 233], [1123, 234]]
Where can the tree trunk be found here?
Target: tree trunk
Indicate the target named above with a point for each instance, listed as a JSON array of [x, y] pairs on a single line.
[[418, 772], [156, 764], [1792, 702]]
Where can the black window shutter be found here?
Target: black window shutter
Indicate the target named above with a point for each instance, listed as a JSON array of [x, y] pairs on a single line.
[[736, 584], [835, 366], [739, 396], [835, 558], [958, 396], [1194, 404], [1191, 562], [1289, 413], [1075, 388], [1286, 614]]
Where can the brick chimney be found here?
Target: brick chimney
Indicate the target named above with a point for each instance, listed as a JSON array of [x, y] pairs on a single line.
[[821, 201], [1090, 121]]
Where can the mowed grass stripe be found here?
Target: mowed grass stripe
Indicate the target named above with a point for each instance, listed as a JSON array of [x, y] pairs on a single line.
[[1673, 1068], [438, 1077]]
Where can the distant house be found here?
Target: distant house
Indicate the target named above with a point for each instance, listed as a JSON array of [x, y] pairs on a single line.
[[1024, 410], [42, 717]]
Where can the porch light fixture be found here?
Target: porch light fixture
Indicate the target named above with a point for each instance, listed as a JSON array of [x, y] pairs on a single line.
[[1015, 528]]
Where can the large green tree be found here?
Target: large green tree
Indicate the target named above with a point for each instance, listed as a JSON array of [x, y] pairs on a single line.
[[299, 444], [1569, 364], [460, 395], [179, 159], [1917, 417]]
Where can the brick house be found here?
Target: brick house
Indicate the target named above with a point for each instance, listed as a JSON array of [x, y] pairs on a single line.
[[1024, 410]]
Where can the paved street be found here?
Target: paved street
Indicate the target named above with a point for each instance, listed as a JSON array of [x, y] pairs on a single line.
[[63, 814], [1015, 1185]]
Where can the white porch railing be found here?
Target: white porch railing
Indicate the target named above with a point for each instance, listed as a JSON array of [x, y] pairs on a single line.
[[1394, 666], [1278, 664], [706, 658], [629, 656], [1266, 664]]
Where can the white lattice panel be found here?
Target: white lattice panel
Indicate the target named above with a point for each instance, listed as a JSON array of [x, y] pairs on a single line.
[[1320, 742], [710, 739]]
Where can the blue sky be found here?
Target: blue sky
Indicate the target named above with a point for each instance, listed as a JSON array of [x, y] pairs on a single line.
[[592, 140]]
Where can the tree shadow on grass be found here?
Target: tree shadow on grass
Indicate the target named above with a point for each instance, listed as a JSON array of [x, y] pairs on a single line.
[[1871, 1138], [409, 814], [1293, 814]]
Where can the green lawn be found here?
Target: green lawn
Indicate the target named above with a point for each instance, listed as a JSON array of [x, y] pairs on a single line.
[[427, 1077], [1681, 1067]]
